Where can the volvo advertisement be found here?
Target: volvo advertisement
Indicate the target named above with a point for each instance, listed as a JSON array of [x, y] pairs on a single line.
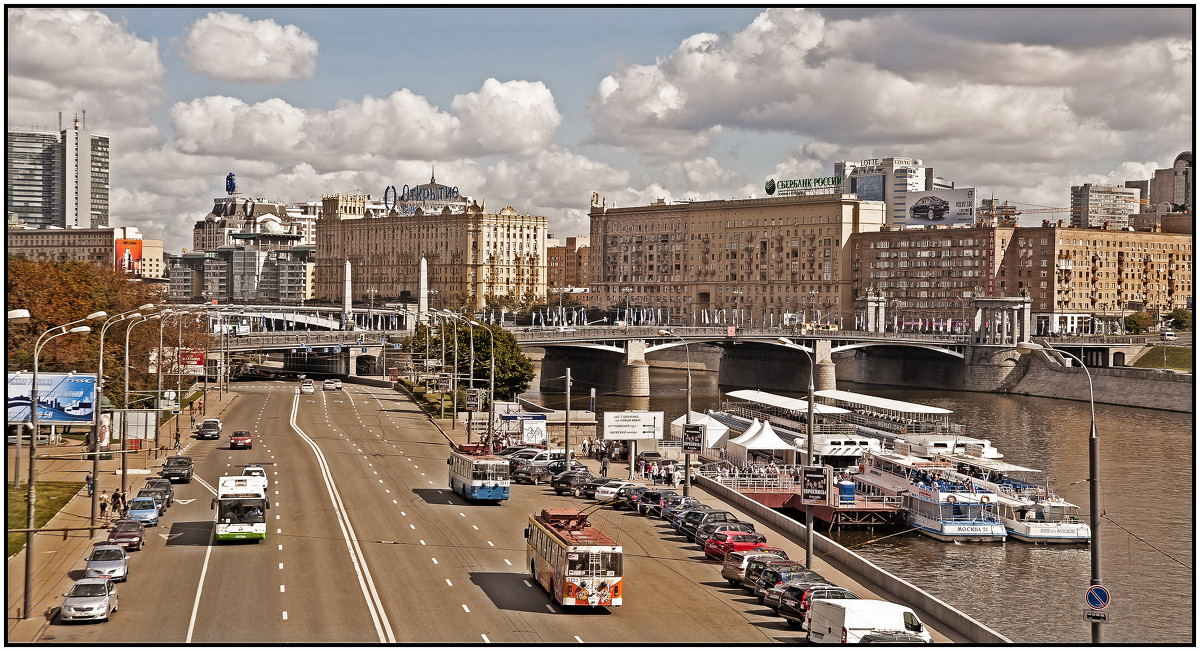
[[940, 207]]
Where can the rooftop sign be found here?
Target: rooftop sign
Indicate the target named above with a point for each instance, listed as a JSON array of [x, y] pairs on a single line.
[[794, 187]]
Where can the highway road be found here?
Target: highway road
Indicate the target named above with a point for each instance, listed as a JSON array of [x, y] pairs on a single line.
[[366, 544]]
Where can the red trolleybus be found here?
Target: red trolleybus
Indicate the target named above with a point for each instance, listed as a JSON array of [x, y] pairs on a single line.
[[576, 563]]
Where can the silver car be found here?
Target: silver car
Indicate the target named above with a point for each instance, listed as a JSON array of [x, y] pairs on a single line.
[[108, 562], [89, 599]]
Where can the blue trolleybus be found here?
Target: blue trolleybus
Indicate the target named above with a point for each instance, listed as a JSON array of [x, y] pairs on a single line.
[[477, 475]]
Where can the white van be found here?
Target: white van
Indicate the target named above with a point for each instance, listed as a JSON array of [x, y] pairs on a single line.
[[838, 621], [546, 456], [1167, 335]]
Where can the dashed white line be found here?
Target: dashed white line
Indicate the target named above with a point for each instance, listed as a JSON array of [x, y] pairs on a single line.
[[490, 544], [449, 583], [475, 527], [281, 588], [281, 566], [485, 638], [465, 608], [285, 615], [578, 640], [526, 582], [506, 562], [434, 561]]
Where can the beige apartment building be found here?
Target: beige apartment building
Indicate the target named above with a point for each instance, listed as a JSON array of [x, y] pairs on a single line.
[[92, 245], [754, 259], [568, 268], [1079, 280], [473, 258]]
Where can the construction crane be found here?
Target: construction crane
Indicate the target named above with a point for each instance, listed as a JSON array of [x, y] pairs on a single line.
[[992, 214]]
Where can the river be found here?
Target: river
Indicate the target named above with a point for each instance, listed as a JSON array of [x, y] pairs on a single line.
[[1034, 594]]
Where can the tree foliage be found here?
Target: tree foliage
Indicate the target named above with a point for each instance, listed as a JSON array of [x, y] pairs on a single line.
[[1181, 319], [514, 370], [57, 293], [1138, 322]]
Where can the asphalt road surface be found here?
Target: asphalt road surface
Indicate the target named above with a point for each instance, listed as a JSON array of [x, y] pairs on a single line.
[[366, 544]]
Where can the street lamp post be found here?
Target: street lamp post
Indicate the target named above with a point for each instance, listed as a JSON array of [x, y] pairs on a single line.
[[491, 379], [808, 435], [132, 314], [158, 369], [33, 421], [125, 419], [737, 305], [687, 456], [371, 309], [1026, 348]]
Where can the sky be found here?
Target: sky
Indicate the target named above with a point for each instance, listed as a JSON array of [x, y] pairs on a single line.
[[537, 108]]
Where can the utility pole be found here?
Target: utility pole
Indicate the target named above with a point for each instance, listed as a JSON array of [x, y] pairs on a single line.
[[567, 422]]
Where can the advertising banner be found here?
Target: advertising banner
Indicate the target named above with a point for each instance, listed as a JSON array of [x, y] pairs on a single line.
[[129, 256], [532, 427], [63, 398], [191, 361], [939, 207], [693, 435], [134, 423], [629, 425], [816, 480]]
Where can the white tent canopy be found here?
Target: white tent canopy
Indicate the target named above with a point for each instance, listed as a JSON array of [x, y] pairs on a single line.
[[755, 425], [715, 432], [784, 402], [763, 439], [886, 404]]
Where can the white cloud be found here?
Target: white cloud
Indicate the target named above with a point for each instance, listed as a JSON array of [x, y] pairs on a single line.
[[72, 60], [702, 175], [517, 117], [231, 47]]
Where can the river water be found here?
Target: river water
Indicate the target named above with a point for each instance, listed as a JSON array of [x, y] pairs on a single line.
[[1034, 594]]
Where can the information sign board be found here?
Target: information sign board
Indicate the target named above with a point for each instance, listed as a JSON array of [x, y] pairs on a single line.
[[816, 483], [693, 434], [630, 425]]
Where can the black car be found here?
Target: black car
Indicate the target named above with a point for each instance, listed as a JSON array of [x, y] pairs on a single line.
[[165, 486], [177, 468], [931, 208], [757, 566], [650, 503], [628, 497], [560, 465], [693, 520], [570, 482], [529, 473], [797, 599], [773, 576]]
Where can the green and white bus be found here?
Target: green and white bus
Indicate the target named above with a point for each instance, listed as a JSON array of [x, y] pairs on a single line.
[[241, 505]]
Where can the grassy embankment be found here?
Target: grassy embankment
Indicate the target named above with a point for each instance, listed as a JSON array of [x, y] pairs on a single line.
[[52, 496], [1177, 357]]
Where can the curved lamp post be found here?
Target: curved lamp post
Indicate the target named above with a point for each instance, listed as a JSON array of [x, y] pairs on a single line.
[[33, 420], [1026, 348], [491, 378], [131, 314], [808, 435], [687, 456], [125, 420]]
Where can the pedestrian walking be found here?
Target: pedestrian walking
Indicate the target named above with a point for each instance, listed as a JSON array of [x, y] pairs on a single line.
[[604, 467], [91, 483], [118, 504], [193, 419], [586, 445], [178, 445], [103, 505], [654, 472]]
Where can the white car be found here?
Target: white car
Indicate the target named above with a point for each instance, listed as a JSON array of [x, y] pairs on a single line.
[[329, 385], [609, 491], [307, 387], [337, 384]]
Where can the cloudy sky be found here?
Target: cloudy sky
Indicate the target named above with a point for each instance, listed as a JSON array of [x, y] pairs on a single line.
[[538, 108]]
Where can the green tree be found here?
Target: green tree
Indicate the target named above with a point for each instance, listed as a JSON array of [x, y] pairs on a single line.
[[1138, 322], [1181, 319]]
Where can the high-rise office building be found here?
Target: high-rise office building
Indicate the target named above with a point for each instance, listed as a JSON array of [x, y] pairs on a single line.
[[58, 179], [889, 180]]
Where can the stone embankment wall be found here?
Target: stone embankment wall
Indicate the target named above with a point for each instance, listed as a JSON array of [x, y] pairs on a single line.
[[1130, 387]]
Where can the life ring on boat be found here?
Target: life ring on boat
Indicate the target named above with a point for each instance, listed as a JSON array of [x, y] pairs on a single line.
[[950, 499], [984, 499]]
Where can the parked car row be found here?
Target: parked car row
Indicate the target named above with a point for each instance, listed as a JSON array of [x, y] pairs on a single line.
[[797, 594], [94, 597]]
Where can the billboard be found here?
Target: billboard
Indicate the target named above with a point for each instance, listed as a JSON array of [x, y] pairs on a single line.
[[627, 425], [939, 207], [63, 398], [532, 427], [801, 187], [129, 256], [817, 481], [191, 361]]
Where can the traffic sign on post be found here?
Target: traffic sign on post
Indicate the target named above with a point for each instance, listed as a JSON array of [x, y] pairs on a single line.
[[1097, 597]]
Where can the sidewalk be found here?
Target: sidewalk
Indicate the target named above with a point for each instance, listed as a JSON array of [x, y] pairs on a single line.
[[59, 561]]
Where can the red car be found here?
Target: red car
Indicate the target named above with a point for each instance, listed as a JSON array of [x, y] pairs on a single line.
[[240, 439], [128, 533], [723, 542]]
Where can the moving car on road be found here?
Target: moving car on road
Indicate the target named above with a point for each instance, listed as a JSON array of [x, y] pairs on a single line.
[[241, 439], [210, 428], [177, 468], [328, 385]]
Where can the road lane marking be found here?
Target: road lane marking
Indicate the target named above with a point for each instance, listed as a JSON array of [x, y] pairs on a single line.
[[435, 561], [422, 542], [490, 544], [281, 548], [485, 638], [506, 562], [374, 605], [578, 640], [281, 566], [412, 526], [285, 615], [200, 585], [281, 588], [465, 608], [526, 582], [461, 514], [550, 608], [475, 527], [449, 583]]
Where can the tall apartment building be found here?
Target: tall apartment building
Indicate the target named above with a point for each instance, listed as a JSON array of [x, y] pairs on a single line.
[[889, 180], [568, 266], [1093, 206], [58, 178], [473, 258], [759, 258], [1079, 280], [1175, 185]]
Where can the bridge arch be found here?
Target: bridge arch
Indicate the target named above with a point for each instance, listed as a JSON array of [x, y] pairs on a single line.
[[899, 344]]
